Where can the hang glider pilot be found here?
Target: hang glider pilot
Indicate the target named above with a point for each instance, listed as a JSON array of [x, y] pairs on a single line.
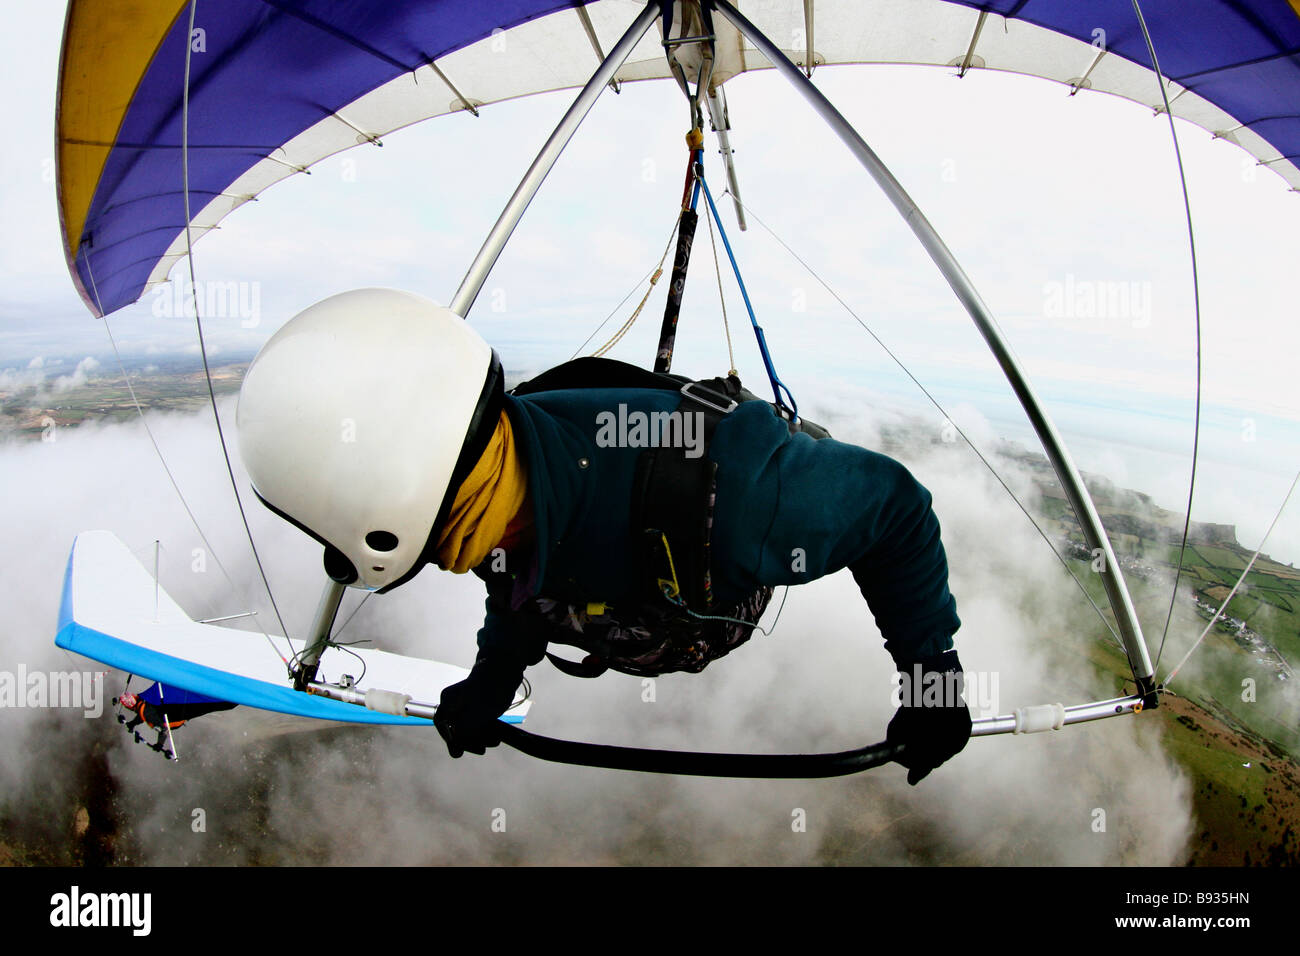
[[603, 510], [163, 717]]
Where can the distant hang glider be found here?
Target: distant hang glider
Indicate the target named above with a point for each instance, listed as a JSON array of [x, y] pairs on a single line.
[[113, 611], [172, 114]]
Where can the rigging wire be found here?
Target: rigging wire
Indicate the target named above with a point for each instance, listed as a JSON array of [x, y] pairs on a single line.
[[158, 451], [788, 403], [528, 692], [780, 607], [1245, 571], [613, 312], [346, 648], [654, 278], [1196, 298], [722, 299], [622, 302], [213, 610], [331, 640], [934, 401], [354, 613], [198, 321]]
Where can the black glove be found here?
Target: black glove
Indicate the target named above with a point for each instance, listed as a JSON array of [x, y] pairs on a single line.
[[468, 711], [933, 722]]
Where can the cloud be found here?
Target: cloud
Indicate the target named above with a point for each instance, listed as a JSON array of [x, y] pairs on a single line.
[[13, 379], [79, 375], [819, 682]]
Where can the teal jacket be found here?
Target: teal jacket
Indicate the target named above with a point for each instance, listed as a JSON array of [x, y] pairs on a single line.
[[789, 509]]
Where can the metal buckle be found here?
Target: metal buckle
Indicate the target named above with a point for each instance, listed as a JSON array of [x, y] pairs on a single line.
[[729, 407]]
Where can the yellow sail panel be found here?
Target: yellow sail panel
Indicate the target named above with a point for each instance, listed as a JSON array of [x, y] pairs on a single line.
[[107, 47]]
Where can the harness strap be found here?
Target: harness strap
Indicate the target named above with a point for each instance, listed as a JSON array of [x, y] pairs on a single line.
[[671, 507], [589, 666], [592, 372], [672, 499]]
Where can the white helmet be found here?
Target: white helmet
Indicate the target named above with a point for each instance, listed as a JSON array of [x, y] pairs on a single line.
[[359, 419]]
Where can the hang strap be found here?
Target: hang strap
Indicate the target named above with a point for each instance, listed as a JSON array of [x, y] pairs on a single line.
[[682, 260]]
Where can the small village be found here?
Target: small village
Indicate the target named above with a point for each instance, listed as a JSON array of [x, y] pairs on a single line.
[[1251, 641]]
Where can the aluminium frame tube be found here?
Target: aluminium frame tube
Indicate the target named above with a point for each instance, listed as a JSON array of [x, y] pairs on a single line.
[[545, 160], [1071, 481], [486, 259], [326, 610]]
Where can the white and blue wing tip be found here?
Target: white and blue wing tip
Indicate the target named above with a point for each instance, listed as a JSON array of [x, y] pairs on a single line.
[[110, 611]]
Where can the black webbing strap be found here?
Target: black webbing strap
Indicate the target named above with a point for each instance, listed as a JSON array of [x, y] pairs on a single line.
[[589, 666], [597, 372], [767, 766], [676, 288], [671, 494]]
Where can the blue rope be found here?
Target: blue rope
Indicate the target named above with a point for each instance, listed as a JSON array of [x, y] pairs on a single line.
[[777, 385], [697, 163]]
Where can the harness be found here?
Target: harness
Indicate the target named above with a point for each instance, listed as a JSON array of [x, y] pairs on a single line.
[[676, 626]]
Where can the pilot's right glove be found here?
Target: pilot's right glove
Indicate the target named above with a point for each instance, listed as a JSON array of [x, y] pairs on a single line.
[[932, 726]]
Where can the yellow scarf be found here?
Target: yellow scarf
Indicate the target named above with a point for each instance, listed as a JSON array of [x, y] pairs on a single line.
[[489, 497]]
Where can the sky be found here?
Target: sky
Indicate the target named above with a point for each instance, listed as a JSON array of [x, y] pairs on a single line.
[[1045, 199], [1065, 212]]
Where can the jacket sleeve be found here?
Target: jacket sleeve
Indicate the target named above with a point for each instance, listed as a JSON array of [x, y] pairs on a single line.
[[508, 642], [902, 570], [835, 505]]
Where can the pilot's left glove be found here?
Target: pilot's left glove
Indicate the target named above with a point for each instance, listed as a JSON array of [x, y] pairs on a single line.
[[933, 722], [468, 711]]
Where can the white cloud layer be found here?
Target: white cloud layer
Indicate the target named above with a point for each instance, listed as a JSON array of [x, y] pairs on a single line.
[[820, 682]]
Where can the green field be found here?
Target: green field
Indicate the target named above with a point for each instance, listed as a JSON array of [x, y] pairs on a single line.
[[27, 412], [1219, 671]]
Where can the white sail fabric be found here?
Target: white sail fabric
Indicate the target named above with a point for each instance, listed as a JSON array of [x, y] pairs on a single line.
[[556, 52]]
